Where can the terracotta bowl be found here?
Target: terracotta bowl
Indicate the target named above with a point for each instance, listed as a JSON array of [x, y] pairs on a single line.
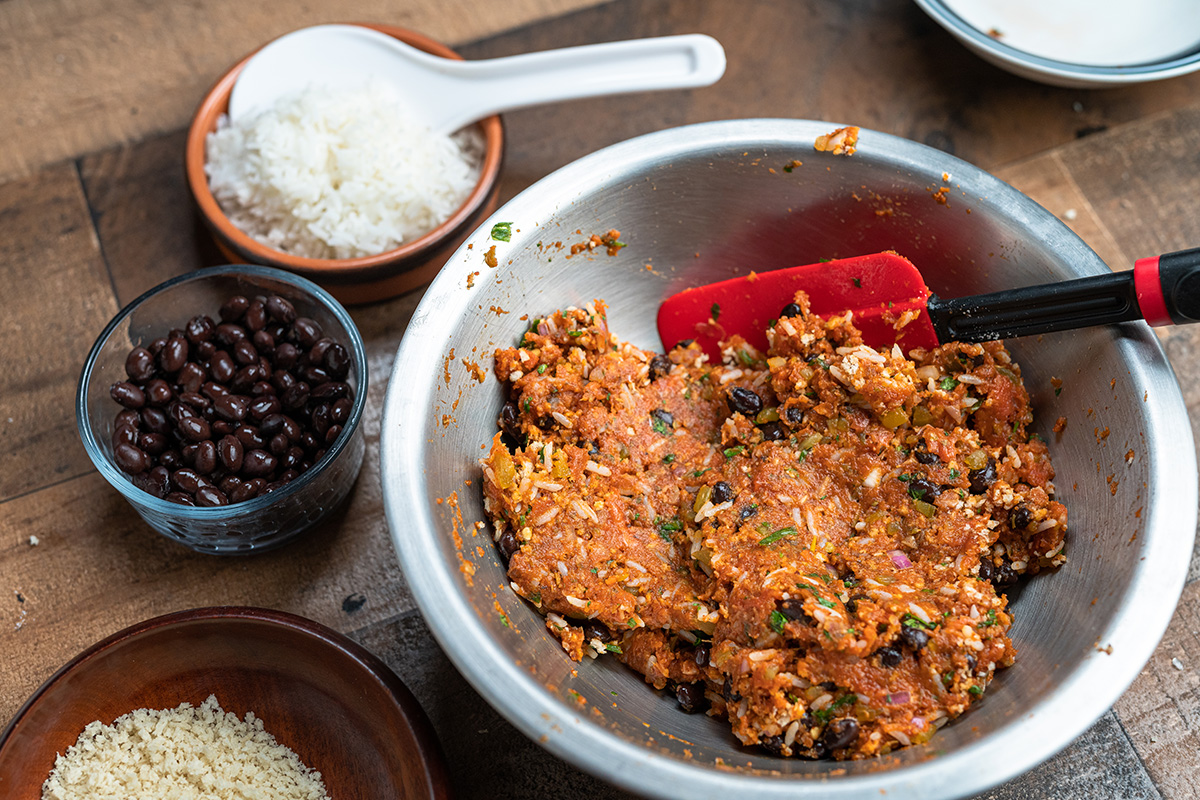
[[337, 706], [351, 280]]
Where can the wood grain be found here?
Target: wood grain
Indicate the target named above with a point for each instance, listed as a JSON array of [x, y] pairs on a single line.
[[57, 299], [1161, 711], [81, 76]]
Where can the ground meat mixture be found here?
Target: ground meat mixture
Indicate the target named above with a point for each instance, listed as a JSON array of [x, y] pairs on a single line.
[[812, 543]]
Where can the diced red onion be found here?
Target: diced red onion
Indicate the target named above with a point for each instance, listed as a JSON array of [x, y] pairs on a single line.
[[899, 559], [543, 328], [898, 698], [919, 722]]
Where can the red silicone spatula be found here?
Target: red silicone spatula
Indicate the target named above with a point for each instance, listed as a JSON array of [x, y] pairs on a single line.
[[880, 288]]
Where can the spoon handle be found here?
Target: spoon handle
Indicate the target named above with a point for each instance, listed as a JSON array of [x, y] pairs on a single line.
[[494, 85], [1163, 290]]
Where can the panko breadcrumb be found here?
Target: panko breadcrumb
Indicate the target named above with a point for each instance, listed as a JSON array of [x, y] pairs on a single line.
[[184, 753]]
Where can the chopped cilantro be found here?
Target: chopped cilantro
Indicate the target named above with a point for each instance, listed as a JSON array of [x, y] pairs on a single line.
[[827, 603], [910, 621], [659, 426], [989, 618], [1057, 391], [542, 369], [857, 282], [947, 384], [536, 598], [730, 452], [771, 538], [778, 620], [826, 713], [696, 473], [575, 334], [715, 311], [948, 678], [665, 528], [975, 691], [824, 260], [526, 405], [502, 231], [504, 619], [803, 454], [954, 474], [613, 647], [669, 459]]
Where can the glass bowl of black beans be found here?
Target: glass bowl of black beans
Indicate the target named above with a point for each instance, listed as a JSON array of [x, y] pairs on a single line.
[[225, 405]]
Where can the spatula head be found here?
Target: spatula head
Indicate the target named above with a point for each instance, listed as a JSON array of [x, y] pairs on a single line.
[[879, 289]]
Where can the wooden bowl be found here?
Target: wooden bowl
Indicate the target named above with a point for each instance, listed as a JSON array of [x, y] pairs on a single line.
[[341, 709], [350, 280]]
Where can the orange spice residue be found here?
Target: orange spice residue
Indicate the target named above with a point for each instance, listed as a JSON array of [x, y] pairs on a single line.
[[497, 310], [477, 372], [446, 367], [842, 141], [940, 195], [1060, 425], [489, 257], [610, 241], [456, 524]]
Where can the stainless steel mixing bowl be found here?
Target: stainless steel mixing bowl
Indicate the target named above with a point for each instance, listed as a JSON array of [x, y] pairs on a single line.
[[705, 202]]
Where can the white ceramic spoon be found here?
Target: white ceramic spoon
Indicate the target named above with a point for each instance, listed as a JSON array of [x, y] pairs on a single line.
[[451, 94]]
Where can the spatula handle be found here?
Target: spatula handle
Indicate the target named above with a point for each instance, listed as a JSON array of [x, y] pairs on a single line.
[[1163, 290]]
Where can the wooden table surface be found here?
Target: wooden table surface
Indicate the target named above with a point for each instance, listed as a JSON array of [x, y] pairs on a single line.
[[94, 210]]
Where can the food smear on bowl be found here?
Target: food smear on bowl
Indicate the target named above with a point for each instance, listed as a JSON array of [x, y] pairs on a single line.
[[812, 543], [222, 412], [188, 753], [336, 175]]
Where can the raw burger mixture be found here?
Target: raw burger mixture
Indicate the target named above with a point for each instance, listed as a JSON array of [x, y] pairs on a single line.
[[812, 543]]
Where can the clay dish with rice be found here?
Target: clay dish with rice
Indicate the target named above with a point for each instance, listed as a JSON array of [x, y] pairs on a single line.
[[362, 278]]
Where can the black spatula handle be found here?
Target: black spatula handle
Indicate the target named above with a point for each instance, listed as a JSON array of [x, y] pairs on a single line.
[[1163, 290]]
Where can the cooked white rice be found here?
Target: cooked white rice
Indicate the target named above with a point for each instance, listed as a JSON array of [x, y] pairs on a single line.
[[327, 174], [182, 753]]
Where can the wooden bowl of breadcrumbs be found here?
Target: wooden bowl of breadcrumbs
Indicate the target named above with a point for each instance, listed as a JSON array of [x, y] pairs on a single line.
[[215, 697]]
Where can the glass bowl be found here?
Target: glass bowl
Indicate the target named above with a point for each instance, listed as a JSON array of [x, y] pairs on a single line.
[[262, 522]]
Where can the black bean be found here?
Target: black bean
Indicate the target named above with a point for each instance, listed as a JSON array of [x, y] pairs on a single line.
[[308, 441], [683, 344], [186, 479], [1005, 576], [263, 342], [793, 609], [316, 354], [314, 375], [744, 401], [171, 459], [258, 463], [230, 451], [982, 479], [248, 490], [244, 353], [206, 457], [221, 366], [174, 354], [229, 484], [986, 568], [152, 443], [211, 496], [332, 434], [129, 419], [330, 390], [234, 308], [1020, 518], [748, 512], [320, 419], [510, 420], [772, 432], [971, 663], [128, 395], [256, 316], [663, 416], [181, 498], [262, 388], [157, 481], [921, 489], [250, 437], [794, 416], [139, 364], [772, 744], [690, 697], [204, 351], [913, 637], [286, 355], [278, 445], [194, 401], [337, 361], [721, 492], [155, 420], [283, 380], [297, 396], [925, 457], [195, 429], [264, 406], [232, 407], [703, 655], [508, 544], [790, 310], [130, 459], [889, 656], [228, 334], [292, 456], [280, 310], [200, 329], [660, 365], [839, 733], [340, 411], [292, 428], [728, 693], [307, 331], [191, 377]]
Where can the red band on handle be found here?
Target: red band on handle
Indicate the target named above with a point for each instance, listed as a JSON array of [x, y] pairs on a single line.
[[1149, 292]]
